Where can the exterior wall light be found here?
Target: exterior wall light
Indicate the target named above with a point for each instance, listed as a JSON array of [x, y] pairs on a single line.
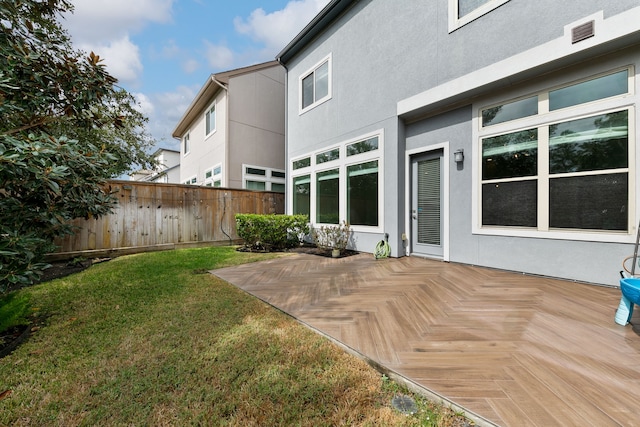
[[458, 156]]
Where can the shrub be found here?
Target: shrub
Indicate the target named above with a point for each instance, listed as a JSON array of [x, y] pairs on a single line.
[[271, 232], [332, 236]]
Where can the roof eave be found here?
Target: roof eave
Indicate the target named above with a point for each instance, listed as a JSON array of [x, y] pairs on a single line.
[[318, 24]]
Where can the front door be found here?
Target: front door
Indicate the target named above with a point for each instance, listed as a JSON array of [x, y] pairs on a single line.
[[427, 204]]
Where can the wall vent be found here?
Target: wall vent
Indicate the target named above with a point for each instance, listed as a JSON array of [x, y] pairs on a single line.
[[582, 32]]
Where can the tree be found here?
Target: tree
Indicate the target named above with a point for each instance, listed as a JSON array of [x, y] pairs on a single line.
[[65, 129]]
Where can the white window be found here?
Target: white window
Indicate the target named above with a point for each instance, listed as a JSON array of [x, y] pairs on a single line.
[[315, 85], [210, 120], [186, 146], [213, 176], [192, 181], [559, 160], [341, 183], [263, 179], [462, 12]]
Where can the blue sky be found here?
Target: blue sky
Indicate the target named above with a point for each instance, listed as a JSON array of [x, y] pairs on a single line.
[[163, 50]]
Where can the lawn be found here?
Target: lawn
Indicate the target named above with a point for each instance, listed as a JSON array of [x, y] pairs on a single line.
[[153, 339]]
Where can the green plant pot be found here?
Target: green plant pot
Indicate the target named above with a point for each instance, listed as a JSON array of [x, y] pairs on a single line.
[[335, 253]]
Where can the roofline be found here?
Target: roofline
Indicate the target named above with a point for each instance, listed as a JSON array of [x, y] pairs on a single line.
[[213, 84], [317, 25]]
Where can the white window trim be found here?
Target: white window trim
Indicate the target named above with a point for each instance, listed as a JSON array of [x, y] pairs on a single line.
[[267, 178], [214, 177], [341, 164], [455, 22], [409, 154], [317, 102], [187, 135], [544, 118], [191, 178], [215, 120]]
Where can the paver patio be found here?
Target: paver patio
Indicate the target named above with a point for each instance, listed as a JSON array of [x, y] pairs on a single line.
[[511, 349]]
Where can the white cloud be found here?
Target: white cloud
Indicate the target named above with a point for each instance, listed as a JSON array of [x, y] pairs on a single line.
[[121, 57], [190, 66], [219, 56], [275, 30], [165, 110], [104, 27], [94, 21]]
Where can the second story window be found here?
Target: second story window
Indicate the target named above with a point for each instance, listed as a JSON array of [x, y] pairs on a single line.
[[185, 144], [315, 85], [210, 120], [461, 12]]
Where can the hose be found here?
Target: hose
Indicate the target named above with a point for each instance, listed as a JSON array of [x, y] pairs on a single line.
[[383, 250]]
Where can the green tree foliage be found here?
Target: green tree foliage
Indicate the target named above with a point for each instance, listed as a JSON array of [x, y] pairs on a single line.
[[65, 129]]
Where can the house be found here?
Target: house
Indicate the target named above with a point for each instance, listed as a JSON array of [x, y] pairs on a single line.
[[167, 169], [232, 134], [498, 133]]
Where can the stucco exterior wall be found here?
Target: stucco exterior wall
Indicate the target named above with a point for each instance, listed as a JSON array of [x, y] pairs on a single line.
[[384, 52], [256, 122], [206, 151]]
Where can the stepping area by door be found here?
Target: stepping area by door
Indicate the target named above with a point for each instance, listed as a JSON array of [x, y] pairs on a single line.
[[512, 349]]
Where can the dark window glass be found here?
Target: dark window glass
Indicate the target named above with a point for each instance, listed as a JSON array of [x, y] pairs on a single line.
[[302, 163], [255, 171], [591, 90], [594, 143], [362, 146], [510, 204], [302, 195], [327, 198], [277, 174], [362, 194], [511, 155], [328, 156], [594, 202], [510, 111], [307, 91]]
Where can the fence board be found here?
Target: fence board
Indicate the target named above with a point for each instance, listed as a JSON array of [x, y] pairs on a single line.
[[155, 216]]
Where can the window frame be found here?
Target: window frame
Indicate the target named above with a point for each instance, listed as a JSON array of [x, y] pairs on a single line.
[[342, 164], [541, 122], [207, 114], [215, 177], [267, 178], [316, 102], [456, 22], [186, 143], [192, 180]]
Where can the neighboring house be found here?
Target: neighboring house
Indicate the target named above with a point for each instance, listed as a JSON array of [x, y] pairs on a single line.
[[495, 133], [232, 134], [167, 169]]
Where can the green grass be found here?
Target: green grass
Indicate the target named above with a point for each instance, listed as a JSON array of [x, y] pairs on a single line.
[[153, 339]]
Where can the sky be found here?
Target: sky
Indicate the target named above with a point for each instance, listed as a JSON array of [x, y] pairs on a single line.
[[163, 51]]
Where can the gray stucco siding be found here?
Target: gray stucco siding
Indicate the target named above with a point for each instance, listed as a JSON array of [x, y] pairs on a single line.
[[385, 52]]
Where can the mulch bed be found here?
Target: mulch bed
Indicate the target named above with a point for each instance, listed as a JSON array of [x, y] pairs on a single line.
[[307, 249]]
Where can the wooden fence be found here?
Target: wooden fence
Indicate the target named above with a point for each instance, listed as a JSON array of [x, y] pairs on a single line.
[[151, 216]]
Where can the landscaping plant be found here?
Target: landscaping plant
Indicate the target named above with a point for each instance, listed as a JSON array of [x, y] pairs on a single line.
[[271, 232], [66, 128]]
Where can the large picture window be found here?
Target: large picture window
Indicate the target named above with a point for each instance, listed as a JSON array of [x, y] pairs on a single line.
[[315, 85], [341, 183], [563, 174]]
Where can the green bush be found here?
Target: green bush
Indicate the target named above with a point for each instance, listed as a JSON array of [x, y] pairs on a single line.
[[271, 232]]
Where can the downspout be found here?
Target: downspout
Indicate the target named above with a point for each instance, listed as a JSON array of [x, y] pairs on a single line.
[[224, 87], [226, 153], [289, 182]]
